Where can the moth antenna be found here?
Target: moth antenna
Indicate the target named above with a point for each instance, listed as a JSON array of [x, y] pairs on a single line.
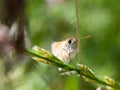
[[86, 37]]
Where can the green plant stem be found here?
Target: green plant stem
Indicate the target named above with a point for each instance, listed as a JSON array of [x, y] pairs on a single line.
[[70, 68]]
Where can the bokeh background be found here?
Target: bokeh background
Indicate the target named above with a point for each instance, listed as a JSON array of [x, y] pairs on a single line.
[[54, 20]]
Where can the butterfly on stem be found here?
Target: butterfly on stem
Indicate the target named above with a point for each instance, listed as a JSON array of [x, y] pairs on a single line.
[[65, 50]]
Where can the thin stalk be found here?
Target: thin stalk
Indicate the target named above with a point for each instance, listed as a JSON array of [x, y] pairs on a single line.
[[78, 30], [78, 37]]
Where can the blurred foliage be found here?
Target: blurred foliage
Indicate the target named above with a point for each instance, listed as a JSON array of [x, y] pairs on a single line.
[[53, 20]]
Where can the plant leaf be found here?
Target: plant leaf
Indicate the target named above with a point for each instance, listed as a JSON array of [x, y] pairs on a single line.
[[86, 71]]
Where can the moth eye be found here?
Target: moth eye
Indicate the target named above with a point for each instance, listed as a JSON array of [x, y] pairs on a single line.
[[70, 41]]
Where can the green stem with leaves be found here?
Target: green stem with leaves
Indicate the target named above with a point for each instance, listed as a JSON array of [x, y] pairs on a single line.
[[41, 55]]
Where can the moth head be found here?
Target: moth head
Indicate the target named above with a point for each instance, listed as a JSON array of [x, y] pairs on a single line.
[[71, 43]]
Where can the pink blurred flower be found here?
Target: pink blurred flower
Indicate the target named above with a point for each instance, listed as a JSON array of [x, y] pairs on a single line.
[[54, 2]]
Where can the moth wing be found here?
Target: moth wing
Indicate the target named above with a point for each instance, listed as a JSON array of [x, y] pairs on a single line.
[[56, 48]]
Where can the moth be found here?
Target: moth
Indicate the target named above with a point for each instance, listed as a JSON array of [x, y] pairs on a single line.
[[65, 50]]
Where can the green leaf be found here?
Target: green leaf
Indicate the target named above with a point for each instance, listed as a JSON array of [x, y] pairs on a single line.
[[111, 82], [86, 71], [41, 55], [45, 54]]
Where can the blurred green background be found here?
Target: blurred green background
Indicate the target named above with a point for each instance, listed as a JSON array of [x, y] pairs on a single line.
[[54, 20]]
